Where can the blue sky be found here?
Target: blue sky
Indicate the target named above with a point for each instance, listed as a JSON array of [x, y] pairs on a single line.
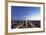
[[25, 13]]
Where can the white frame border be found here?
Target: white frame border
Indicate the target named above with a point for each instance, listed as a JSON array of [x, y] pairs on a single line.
[[24, 30]]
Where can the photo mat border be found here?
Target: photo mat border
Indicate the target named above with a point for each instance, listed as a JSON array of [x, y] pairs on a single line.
[[6, 16], [25, 29]]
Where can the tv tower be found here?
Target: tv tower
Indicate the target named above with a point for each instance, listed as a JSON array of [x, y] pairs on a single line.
[[12, 22]]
